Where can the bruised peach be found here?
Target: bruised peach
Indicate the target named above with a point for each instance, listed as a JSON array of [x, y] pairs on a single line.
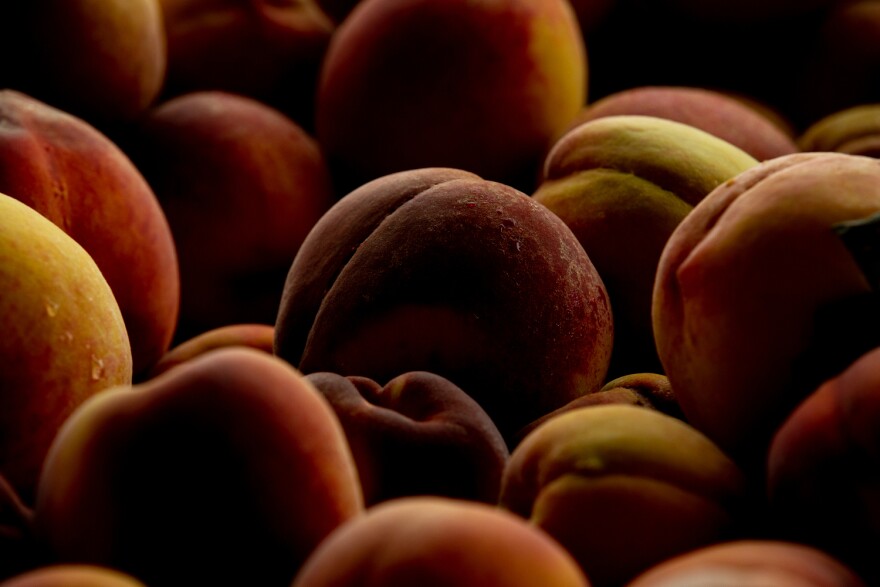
[[257, 336], [436, 542], [622, 184], [229, 469], [419, 434], [241, 185], [78, 178], [752, 282], [482, 86], [764, 562], [622, 488], [439, 270]]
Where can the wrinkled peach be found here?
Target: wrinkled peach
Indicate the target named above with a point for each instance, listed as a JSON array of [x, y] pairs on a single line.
[[439, 270]]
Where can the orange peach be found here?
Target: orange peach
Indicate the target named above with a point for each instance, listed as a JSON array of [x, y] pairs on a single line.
[[764, 562], [72, 575], [229, 469], [482, 86], [419, 434], [437, 542], [623, 488], [752, 282], [241, 185], [78, 178], [439, 270]]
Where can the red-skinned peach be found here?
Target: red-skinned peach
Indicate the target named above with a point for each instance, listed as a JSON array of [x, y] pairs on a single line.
[[439, 270]]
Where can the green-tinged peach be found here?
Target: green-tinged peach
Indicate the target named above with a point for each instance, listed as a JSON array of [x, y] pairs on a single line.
[[229, 469], [241, 185], [78, 178], [270, 50], [419, 434], [622, 184], [854, 130], [758, 562], [723, 115], [437, 542], [64, 338], [257, 336], [623, 488], [485, 86], [72, 575], [439, 270], [757, 293], [101, 60]]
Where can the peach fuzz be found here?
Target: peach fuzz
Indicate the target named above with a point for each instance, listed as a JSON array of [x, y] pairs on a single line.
[[436, 542], [764, 562], [241, 185], [78, 178], [622, 488], [64, 338], [418, 434], [742, 286], [822, 464], [439, 270], [484, 86], [230, 468], [622, 184], [101, 60], [270, 50], [72, 575], [256, 336], [722, 115]]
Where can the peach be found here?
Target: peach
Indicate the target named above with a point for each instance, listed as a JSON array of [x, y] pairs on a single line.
[[752, 283], [257, 336], [623, 488], [101, 60], [269, 50], [854, 130], [419, 434], [439, 270], [720, 114], [72, 575], [764, 562], [622, 184], [229, 469], [78, 178], [435, 542], [241, 185], [483, 86], [822, 481], [64, 338]]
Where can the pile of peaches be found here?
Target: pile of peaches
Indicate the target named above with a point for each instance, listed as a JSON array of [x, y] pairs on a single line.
[[435, 293]]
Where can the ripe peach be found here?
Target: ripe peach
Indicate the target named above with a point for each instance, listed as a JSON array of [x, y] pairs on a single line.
[[752, 282], [622, 184], [228, 469], [64, 338], [622, 488], [483, 86], [241, 185], [78, 178], [720, 114], [270, 50], [101, 60], [72, 575], [257, 336], [854, 130], [439, 270], [822, 481], [436, 542], [764, 562], [419, 434]]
